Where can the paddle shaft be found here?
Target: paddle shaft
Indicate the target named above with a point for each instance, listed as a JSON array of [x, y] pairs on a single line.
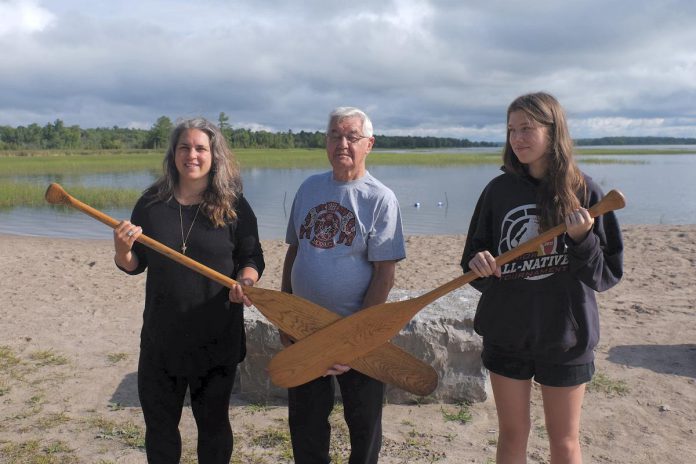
[[293, 315], [55, 194], [361, 332], [612, 201]]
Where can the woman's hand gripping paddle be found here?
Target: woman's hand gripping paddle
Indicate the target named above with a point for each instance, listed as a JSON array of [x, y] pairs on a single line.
[[353, 336], [292, 314]]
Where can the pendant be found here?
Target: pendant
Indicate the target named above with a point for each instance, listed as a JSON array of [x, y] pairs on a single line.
[[183, 249]]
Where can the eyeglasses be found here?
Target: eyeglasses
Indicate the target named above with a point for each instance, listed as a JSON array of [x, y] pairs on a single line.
[[351, 138]]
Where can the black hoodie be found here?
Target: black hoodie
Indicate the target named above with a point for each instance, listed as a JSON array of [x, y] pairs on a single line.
[[543, 307]]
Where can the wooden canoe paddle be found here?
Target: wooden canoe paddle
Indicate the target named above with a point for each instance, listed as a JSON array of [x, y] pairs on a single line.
[[294, 315], [357, 334]]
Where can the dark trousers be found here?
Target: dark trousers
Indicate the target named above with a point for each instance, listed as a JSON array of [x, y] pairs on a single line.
[[310, 405], [162, 399]]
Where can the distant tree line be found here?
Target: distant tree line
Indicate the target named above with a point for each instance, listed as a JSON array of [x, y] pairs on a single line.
[[57, 135], [636, 141]]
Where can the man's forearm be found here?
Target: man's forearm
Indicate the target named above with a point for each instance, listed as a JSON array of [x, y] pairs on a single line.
[[381, 283]]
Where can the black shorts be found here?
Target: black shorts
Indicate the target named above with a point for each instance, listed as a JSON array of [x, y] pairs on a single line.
[[550, 375]]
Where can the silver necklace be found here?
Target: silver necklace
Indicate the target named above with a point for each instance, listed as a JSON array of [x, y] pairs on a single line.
[[181, 222]]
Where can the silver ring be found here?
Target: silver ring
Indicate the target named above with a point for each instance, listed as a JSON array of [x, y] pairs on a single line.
[[130, 233]]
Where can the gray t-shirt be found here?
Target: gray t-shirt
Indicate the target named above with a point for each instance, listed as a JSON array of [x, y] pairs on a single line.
[[339, 228]]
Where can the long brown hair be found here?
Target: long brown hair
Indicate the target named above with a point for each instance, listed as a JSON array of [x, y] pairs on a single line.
[[224, 180], [563, 188]]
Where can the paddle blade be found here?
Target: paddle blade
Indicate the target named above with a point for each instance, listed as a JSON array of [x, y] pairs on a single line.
[[341, 342], [293, 315], [392, 365], [387, 363]]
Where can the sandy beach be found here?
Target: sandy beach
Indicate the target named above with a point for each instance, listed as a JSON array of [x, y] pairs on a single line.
[[69, 349]]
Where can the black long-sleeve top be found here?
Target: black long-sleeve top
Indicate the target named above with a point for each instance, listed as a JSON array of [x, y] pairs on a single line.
[[189, 324], [543, 307]]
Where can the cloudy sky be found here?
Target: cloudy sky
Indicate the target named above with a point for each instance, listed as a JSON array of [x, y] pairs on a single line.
[[444, 68]]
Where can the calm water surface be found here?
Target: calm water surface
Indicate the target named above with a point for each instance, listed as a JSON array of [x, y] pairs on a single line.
[[434, 200]]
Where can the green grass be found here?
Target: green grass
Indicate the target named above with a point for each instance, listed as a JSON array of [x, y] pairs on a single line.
[[610, 161], [602, 383], [272, 438], [8, 359], [114, 358], [127, 433], [260, 445], [634, 151], [36, 400], [13, 194], [461, 415], [47, 358], [253, 408], [61, 163], [31, 380], [115, 406], [52, 420], [432, 159], [4, 388], [37, 452]]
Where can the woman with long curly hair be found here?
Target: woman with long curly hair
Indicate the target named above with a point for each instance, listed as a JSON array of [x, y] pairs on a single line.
[[193, 329]]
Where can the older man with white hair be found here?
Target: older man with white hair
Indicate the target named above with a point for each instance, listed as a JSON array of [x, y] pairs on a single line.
[[345, 237]]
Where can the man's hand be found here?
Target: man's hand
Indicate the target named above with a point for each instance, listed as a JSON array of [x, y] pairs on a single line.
[[337, 369]]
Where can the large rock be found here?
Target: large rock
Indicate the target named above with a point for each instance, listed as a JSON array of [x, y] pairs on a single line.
[[441, 334]]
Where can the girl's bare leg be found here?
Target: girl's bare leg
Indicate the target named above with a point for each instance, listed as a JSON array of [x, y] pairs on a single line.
[[512, 399], [562, 409]]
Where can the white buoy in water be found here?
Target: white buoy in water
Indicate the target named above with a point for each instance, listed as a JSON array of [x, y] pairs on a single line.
[[417, 204]]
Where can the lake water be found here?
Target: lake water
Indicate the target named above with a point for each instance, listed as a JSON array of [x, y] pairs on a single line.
[[659, 190]]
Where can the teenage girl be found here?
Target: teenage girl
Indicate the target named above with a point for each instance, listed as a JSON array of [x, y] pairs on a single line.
[[538, 314]]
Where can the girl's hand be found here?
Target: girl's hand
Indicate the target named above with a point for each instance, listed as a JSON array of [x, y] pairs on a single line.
[[483, 264], [578, 224]]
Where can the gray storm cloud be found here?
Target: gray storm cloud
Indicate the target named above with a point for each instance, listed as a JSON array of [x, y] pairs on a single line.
[[441, 68]]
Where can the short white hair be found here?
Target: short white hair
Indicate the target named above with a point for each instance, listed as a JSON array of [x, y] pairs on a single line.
[[343, 112]]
